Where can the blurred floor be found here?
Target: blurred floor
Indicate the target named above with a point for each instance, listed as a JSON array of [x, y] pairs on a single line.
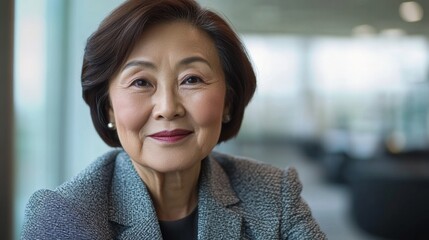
[[329, 202]]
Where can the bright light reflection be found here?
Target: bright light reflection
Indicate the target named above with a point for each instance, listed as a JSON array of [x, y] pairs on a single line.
[[30, 56], [411, 11]]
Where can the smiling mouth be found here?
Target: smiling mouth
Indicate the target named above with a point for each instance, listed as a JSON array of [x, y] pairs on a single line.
[[171, 136]]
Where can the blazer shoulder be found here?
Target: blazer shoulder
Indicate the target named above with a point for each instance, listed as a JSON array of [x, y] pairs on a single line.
[[255, 173], [272, 192], [89, 190], [297, 220], [49, 215], [78, 207], [253, 180], [93, 180], [259, 188]]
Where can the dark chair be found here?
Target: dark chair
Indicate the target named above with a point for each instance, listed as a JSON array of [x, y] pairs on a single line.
[[390, 197]]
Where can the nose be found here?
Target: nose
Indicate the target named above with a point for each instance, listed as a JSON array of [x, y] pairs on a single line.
[[167, 105]]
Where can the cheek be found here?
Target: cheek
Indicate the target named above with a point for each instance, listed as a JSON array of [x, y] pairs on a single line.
[[129, 112], [207, 109]]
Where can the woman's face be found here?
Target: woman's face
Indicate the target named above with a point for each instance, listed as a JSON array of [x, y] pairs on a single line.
[[168, 99]]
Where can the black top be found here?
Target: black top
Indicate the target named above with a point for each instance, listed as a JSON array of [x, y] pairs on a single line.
[[182, 229]]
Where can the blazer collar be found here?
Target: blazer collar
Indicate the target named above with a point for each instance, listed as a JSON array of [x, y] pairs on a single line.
[[132, 212], [218, 204], [131, 208]]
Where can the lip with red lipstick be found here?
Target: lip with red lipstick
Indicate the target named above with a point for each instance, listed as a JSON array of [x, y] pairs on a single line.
[[171, 136]]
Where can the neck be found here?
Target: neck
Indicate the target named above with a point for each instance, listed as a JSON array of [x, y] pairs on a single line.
[[174, 194]]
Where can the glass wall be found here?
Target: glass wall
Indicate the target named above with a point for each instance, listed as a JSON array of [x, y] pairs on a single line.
[[315, 87], [54, 133], [31, 164]]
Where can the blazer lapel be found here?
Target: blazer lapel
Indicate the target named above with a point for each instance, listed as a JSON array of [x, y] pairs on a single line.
[[218, 204], [131, 210], [133, 215]]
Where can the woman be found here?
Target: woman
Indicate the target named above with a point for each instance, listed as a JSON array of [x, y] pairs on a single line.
[[165, 82]]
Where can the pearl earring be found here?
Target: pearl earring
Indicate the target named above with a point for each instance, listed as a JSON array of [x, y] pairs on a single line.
[[226, 118], [111, 126]]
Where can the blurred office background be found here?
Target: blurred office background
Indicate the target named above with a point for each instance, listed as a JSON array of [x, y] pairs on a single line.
[[343, 96]]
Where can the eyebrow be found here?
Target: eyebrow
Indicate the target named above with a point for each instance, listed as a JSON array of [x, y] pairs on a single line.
[[190, 60], [139, 63], [183, 62]]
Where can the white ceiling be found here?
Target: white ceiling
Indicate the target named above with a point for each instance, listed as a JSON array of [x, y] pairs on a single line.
[[316, 17]]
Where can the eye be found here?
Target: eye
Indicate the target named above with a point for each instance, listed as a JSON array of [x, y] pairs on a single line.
[[192, 80], [141, 83]]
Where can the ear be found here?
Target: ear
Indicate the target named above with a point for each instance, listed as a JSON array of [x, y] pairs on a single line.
[[226, 116]]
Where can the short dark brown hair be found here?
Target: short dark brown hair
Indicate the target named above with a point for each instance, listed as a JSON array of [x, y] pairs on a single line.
[[110, 45]]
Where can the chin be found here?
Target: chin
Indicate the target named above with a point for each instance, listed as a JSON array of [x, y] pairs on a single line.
[[165, 161]]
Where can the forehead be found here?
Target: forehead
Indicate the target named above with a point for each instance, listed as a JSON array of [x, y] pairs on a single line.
[[178, 38]]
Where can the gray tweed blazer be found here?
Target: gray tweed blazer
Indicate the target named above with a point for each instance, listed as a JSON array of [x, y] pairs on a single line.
[[238, 199]]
